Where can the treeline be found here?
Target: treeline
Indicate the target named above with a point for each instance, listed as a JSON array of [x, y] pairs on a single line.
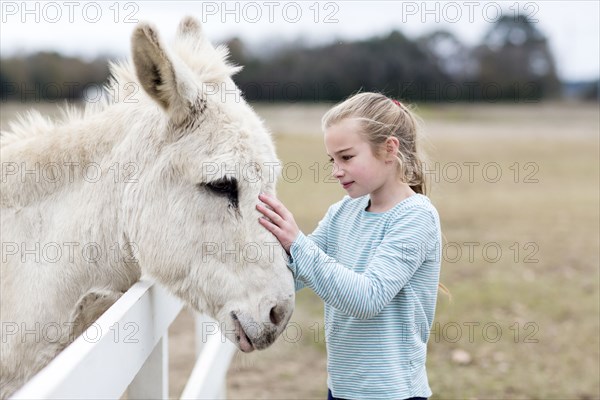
[[49, 76], [513, 62]]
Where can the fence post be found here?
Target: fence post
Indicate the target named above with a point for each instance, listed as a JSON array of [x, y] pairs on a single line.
[[152, 381], [203, 324], [207, 380]]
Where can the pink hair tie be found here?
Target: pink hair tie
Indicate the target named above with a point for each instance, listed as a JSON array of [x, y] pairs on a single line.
[[396, 102]]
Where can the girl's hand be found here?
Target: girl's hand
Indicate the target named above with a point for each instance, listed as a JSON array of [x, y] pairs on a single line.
[[279, 220]]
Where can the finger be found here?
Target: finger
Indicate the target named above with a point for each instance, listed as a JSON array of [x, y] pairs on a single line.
[[270, 214], [275, 205], [268, 200], [271, 227]]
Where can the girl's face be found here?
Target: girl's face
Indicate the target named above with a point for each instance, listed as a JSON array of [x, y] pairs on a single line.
[[355, 166]]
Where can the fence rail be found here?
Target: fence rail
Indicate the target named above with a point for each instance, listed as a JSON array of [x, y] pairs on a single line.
[[126, 350]]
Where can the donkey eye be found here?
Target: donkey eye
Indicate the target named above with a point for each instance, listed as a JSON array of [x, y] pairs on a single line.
[[226, 187], [222, 186]]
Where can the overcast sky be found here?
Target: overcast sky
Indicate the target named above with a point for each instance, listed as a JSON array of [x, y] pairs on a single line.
[[98, 28]]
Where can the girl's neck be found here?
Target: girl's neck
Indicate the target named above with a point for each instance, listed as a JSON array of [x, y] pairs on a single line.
[[388, 196]]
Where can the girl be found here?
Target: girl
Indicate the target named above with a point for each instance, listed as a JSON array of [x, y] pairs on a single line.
[[374, 259]]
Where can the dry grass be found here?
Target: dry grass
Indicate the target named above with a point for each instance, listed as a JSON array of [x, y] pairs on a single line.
[[542, 291]]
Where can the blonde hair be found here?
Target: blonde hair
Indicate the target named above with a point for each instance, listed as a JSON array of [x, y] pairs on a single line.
[[382, 118]]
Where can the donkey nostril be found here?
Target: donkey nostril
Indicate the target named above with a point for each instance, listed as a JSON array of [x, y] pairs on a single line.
[[275, 316]]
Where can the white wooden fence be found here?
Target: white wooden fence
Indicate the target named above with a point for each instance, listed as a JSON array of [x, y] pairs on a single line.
[[126, 350]]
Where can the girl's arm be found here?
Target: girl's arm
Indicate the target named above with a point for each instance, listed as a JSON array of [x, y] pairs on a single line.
[[361, 295]]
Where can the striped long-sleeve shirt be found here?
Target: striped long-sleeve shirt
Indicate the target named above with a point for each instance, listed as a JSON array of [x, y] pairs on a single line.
[[378, 275]]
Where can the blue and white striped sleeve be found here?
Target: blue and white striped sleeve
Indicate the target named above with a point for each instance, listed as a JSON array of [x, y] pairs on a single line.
[[319, 238], [363, 295]]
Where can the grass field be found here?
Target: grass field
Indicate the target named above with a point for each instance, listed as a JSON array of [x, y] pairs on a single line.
[[517, 189]]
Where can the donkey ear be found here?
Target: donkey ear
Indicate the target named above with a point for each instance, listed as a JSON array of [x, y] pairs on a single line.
[[190, 27], [171, 86]]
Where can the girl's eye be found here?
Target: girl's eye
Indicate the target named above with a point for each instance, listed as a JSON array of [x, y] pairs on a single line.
[[345, 158]]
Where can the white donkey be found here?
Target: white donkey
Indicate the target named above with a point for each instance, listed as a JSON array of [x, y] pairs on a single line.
[[160, 179]]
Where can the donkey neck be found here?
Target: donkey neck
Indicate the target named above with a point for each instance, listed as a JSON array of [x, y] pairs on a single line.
[[79, 150], [48, 173]]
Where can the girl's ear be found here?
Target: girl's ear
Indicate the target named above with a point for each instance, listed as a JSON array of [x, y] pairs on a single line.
[[392, 144]]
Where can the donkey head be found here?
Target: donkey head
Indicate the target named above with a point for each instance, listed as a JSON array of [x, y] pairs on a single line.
[[205, 156]]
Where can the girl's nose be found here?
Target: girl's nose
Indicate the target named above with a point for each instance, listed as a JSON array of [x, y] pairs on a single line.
[[337, 171]]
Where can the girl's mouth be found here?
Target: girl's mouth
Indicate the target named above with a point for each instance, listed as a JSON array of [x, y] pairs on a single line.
[[347, 184]]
